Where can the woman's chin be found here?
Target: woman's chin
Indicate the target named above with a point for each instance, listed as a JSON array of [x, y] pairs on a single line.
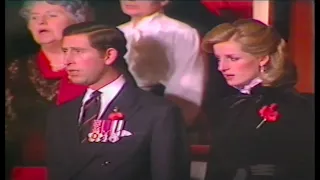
[[45, 41]]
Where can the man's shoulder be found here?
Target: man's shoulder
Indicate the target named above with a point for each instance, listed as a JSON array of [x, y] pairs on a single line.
[[69, 104], [148, 99], [156, 108]]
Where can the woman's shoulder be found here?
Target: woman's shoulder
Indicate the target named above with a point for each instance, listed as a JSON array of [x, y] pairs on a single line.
[[292, 98], [15, 66], [284, 94], [288, 100], [291, 102], [296, 109]]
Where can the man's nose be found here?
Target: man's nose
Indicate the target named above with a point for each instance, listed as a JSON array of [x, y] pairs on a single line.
[[67, 59]]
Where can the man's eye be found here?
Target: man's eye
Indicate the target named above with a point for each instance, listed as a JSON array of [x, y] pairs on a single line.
[[217, 58]]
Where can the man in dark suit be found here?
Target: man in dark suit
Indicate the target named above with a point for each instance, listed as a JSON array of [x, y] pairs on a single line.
[[115, 131]]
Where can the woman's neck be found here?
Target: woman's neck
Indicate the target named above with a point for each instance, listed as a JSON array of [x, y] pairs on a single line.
[[246, 89], [52, 48], [136, 19], [55, 56]]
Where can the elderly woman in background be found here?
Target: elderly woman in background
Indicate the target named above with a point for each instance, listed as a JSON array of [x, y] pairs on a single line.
[[266, 131], [36, 82]]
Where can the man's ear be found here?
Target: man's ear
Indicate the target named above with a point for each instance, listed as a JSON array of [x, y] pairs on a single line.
[[111, 56], [264, 61]]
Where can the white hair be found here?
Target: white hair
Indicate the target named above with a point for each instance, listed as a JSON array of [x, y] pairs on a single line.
[[78, 8]]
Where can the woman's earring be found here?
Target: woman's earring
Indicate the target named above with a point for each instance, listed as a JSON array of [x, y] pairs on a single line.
[[262, 69]]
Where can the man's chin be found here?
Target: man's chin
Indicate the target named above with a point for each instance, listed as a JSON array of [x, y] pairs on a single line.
[[77, 81]]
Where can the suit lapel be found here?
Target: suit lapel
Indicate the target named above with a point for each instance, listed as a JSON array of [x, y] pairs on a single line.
[[125, 102], [68, 130], [69, 123]]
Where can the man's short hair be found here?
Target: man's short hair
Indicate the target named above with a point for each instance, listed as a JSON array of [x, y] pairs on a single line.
[[101, 36]]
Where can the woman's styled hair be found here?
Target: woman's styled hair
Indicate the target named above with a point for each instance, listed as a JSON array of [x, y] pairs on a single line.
[[78, 8], [259, 40]]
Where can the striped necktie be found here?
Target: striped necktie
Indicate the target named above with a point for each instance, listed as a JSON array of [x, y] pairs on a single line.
[[90, 112]]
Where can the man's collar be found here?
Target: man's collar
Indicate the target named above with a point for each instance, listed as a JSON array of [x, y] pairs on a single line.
[[110, 88]]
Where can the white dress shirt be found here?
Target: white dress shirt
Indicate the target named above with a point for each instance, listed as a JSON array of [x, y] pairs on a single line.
[[247, 88], [165, 50], [108, 93]]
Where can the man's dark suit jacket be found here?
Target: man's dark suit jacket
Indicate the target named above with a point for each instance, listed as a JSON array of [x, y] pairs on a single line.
[[157, 149]]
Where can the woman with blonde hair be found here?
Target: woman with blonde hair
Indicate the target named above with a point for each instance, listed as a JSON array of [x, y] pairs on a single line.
[[266, 130]]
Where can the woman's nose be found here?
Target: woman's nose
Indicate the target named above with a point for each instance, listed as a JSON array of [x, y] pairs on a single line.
[[42, 20], [222, 66]]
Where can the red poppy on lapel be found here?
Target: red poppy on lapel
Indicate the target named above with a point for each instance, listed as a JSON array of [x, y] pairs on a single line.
[[116, 119], [269, 114], [116, 115]]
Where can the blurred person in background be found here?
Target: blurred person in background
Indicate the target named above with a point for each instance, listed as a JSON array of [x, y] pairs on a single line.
[[163, 51], [36, 82]]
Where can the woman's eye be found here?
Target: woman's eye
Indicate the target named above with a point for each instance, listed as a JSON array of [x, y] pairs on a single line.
[[33, 17], [52, 15], [234, 58]]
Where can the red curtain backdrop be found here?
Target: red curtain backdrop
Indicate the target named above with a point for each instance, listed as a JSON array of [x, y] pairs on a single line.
[[301, 41], [242, 8]]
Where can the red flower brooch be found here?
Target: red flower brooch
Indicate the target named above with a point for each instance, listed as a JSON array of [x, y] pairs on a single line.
[[268, 114]]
